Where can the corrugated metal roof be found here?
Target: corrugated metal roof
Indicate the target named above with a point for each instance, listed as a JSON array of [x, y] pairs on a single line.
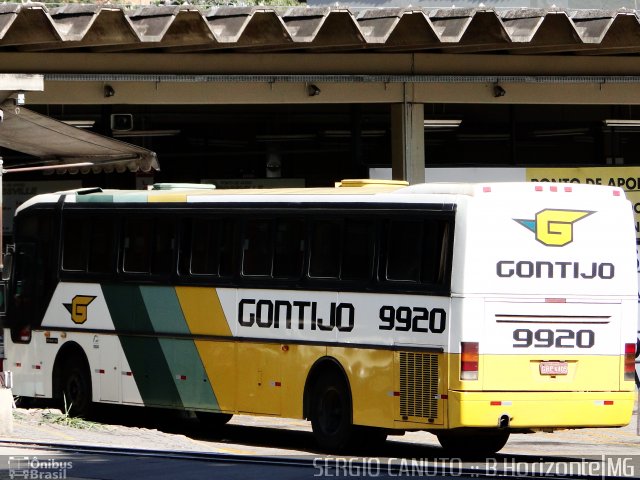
[[185, 28]]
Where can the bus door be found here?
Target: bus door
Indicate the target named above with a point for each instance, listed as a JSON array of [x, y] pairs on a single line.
[[110, 370], [22, 314], [23, 311], [260, 378]]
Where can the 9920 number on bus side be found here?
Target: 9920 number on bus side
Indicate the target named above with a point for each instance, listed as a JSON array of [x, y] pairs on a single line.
[[416, 319], [560, 338]]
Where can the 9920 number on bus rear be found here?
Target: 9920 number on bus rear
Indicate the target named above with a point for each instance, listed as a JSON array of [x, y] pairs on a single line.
[[558, 338]]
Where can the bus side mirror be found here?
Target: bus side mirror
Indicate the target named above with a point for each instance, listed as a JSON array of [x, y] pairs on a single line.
[[8, 264], [3, 298]]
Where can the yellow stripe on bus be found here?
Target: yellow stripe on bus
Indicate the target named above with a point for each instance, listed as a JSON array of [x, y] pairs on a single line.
[[155, 197], [219, 360], [204, 315], [203, 311]]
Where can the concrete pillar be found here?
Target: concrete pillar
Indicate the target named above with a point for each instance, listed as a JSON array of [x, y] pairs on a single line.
[[6, 411], [407, 142]]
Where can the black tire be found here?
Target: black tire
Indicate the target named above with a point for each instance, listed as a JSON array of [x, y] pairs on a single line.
[[473, 444], [370, 438], [331, 413], [24, 402], [76, 389], [213, 420]]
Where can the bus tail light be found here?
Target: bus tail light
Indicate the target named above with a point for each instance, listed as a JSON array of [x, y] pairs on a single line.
[[469, 360], [21, 335], [25, 334], [629, 361]]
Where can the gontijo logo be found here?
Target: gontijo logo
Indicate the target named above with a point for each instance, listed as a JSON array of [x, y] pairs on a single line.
[[78, 307], [554, 228]]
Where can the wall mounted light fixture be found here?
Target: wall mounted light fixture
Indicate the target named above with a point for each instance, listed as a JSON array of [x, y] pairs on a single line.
[[313, 90], [621, 123], [498, 91], [109, 91], [441, 123]]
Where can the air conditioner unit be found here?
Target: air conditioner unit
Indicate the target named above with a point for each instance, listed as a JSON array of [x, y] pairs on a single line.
[[121, 122]]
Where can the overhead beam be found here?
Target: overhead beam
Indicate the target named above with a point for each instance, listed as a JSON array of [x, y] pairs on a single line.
[[326, 63], [256, 92]]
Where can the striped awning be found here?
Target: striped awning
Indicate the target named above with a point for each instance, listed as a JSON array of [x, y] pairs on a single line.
[[103, 28], [63, 147]]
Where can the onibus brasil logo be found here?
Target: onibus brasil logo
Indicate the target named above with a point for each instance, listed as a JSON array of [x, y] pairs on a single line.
[[78, 307], [552, 227]]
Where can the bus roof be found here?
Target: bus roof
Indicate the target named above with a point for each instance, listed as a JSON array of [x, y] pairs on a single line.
[[382, 190]]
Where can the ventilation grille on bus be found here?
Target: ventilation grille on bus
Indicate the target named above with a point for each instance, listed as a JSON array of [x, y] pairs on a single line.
[[418, 385]]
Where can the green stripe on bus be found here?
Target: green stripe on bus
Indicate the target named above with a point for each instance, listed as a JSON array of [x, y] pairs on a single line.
[[95, 198], [164, 309], [138, 197], [189, 374], [182, 356], [145, 355]]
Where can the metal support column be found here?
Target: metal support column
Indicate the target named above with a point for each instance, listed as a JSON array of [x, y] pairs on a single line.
[[407, 142]]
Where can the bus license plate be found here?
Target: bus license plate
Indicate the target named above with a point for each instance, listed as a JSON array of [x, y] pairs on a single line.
[[554, 368]]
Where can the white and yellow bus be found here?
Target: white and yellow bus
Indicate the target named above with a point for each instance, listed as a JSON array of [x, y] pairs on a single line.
[[373, 308]]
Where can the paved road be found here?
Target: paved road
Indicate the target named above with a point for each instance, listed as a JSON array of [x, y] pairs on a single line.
[[414, 454]]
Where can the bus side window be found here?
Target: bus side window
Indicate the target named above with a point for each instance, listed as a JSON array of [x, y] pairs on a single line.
[[357, 254], [256, 248], [289, 248], [434, 259], [204, 246], [226, 227], [75, 238], [24, 290], [137, 245], [326, 237], [163, 246], [404, 250], [101, 245], [207, 247]]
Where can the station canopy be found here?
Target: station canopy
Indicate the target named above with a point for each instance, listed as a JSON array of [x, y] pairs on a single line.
[[33, 27]]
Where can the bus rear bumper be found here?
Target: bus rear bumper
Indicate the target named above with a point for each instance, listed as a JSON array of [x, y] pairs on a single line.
[[540, 409]]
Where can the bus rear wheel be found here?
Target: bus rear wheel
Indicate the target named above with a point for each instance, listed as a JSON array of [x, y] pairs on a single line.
[[466, 444], [331, 412], [76, 389], [370, 437]]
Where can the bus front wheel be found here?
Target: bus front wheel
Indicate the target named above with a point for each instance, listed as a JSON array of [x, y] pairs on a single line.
[[76, 389], [331, 412], [469, 443]]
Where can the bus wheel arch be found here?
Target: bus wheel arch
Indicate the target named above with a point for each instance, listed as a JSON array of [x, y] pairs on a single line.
[[71, 382], [328, 404], [321, 367]]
